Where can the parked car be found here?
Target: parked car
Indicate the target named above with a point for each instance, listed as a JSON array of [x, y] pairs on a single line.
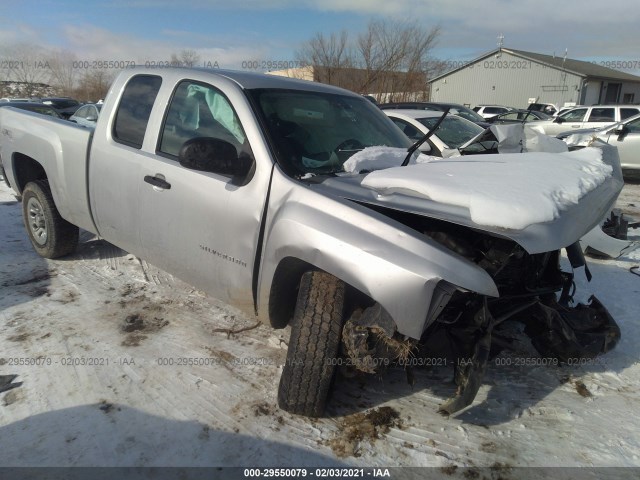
[[452, 133], [15, 100], [87, 115], [566, 109], [624, 135], [235, 182], [454, 108], [65, 106], [488, 111], [548, 108], [33, 107], [519, 116], [594, 116]]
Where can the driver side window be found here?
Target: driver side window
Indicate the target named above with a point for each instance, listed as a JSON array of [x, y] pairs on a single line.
[[199, 110], [574, 115], [634, 126]]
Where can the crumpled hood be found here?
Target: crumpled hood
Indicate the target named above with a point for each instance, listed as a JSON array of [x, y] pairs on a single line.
[[543, 206]]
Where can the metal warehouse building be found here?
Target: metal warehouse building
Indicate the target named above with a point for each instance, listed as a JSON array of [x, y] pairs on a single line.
[[516, 78]]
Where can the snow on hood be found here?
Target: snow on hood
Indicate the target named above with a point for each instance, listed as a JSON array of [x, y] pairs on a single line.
[[509, 191], [381, 157]]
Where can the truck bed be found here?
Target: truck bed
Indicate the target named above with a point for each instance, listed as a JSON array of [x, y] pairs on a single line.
[[61, 147]]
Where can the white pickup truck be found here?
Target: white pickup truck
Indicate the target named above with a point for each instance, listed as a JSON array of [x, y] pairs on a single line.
[[235, 183]]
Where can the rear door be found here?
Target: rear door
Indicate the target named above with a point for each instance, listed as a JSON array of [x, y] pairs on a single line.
[[200, 226], [600, 117], [114, 164]]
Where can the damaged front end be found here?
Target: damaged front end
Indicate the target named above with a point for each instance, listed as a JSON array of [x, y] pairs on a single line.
[[466, 329]]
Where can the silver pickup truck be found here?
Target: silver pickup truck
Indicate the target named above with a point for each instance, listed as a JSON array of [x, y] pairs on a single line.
[[234, 182]]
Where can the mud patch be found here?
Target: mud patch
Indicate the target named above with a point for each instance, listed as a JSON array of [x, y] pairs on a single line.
[[13, 396], [19, 338], [356, 428], [137, 325], [67, 297], [107, 407], [489, 447], [262, 408], [227, 357], [582, 389]]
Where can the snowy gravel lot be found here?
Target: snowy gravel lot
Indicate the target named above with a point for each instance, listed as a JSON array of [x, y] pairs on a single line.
[[133, 368]]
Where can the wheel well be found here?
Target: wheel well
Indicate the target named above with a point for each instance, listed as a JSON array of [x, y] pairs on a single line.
[[284, 291], [26, 170]]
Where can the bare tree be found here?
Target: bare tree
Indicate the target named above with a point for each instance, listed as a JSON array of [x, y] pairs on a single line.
[[94, 85], [329, 56], [391, 59], [185, 58], [28, 65], [63, 73]]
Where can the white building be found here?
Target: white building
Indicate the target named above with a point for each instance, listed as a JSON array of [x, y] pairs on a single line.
[[516, 78]]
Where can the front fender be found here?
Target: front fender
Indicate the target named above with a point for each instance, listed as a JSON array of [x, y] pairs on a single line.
[[391, 263]]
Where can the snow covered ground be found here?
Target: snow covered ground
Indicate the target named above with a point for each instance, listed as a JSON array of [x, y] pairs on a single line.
[[134, 368]]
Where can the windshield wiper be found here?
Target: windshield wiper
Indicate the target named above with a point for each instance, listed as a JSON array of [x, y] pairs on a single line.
[[431, 131]]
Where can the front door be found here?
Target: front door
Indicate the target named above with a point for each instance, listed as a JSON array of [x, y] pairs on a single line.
[[628, 145], [199, 225]]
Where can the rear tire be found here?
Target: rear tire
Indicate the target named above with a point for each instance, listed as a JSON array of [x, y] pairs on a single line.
[[316, 329], [50, 234]]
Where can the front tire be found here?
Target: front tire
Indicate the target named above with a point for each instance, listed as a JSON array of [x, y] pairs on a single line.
[[316, 329], [50, 234]]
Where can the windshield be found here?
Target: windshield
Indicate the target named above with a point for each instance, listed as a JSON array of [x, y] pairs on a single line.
[[467, 114], [316, 132], [453, 131]]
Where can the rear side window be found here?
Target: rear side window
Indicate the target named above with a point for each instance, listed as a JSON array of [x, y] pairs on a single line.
[[134, 110], [602, 115], [628, 112]]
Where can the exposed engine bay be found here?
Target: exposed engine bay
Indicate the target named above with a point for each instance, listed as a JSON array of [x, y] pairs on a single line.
[[533, 291]]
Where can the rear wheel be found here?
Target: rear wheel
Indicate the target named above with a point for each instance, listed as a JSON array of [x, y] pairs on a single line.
[[50, 234], [307, 376]]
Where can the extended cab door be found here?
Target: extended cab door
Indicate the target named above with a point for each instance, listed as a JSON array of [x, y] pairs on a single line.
[[201, 226], [600, 117], [114, 163]]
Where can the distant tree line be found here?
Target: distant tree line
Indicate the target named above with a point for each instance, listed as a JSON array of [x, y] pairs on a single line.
[[391, 59], [28, 70]]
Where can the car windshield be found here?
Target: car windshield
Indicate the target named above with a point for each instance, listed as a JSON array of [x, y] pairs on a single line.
[[453, 131], [316, 132], [467, 114]]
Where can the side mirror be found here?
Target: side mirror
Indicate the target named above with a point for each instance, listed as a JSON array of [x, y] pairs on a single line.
[[621, 131], [213, 155], [558, 120]]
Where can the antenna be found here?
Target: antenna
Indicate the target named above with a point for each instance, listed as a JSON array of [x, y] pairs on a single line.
[[500, 44]]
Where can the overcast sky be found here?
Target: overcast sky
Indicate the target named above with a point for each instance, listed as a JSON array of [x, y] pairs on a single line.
[[229, 32]]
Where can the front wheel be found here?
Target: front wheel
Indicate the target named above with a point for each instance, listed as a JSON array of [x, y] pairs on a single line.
[[50, 234], [307, 376]]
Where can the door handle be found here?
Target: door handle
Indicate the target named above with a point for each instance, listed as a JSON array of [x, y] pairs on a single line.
[[157, 182]]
